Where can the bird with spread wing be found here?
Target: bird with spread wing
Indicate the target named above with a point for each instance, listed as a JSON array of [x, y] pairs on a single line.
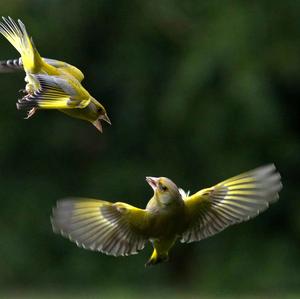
[[120, 229], [51, 84]]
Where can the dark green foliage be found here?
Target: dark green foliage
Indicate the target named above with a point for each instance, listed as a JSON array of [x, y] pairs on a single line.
[[196, 91]]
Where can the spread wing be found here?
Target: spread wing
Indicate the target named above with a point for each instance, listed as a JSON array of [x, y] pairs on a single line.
[[55, 93], [112, 228], [237, 199], [66, 67], [12, 65]]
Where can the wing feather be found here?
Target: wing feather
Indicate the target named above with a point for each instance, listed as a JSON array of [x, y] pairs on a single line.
[[66, 67], [237, 199], [55, 93], [115, 229]]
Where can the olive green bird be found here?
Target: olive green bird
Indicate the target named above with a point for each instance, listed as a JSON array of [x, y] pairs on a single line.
[[51, 84], [120, 229]]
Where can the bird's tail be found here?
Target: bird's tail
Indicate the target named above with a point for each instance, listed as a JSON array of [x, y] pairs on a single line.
[[16, 34]]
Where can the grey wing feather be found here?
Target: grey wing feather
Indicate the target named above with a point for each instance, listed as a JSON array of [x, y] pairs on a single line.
[[96, 225], [235, 200], [11, 65], [57, 82]]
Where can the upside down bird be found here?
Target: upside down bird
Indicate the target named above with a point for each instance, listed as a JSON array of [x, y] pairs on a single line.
[[120, 229], [51, 84]]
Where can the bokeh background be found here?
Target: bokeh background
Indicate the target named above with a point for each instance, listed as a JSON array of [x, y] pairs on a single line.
[[197, 91]]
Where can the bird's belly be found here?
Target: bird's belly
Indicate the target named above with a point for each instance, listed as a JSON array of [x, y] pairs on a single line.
[[165, 226]]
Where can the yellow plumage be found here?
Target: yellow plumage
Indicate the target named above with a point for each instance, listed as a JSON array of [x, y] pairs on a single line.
[[171, 214], [52, 84]]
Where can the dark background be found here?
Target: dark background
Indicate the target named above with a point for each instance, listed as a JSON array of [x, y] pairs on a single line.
[[197, 91]]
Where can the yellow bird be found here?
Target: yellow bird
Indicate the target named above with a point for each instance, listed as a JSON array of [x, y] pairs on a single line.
[[52, 84], [120, 229]]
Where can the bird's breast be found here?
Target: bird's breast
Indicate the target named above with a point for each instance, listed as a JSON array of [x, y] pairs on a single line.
[[88, 113], [165, 223]]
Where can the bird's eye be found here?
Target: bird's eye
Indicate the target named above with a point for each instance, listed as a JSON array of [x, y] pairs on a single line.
[[162, 187]]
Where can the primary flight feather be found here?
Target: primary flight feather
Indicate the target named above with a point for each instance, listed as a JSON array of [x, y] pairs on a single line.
[[51, 84], [120, 229]]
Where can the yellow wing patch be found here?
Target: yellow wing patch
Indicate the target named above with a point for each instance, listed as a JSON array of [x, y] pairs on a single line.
[[237, 199], [100, 225], [55, 93], [66, 68]]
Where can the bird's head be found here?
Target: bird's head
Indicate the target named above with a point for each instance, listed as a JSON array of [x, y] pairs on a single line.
[[101, 115], [164, 189]]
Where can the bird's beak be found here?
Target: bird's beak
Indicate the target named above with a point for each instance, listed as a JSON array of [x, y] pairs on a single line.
[[152, 181], [106, 118], [97, 124]]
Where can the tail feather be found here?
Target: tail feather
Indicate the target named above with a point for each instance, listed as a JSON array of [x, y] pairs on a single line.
[[17, 35]]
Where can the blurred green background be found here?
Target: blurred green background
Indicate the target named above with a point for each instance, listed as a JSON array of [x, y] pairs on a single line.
[[197, 91]]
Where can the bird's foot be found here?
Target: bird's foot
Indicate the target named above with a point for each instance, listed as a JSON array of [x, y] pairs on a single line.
[[22, 91], [157, 260], [31, 112], [149, 263]]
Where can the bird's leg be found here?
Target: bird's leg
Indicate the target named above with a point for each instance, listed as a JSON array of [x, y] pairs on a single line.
[[157, 258], [30, 87], [31, 112]]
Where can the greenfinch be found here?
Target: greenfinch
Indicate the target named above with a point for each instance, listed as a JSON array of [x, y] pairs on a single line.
[[120, 229], [51, 84]]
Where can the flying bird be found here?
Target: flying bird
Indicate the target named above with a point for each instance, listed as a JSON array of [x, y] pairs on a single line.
[[51, 84], [120, 229]]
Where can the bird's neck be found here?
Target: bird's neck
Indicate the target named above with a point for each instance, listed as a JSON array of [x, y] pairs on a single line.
[[156, 206]]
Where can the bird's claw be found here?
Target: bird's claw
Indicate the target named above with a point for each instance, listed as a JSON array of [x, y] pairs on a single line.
[[148, 264], [157, 260], [30, 113]]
